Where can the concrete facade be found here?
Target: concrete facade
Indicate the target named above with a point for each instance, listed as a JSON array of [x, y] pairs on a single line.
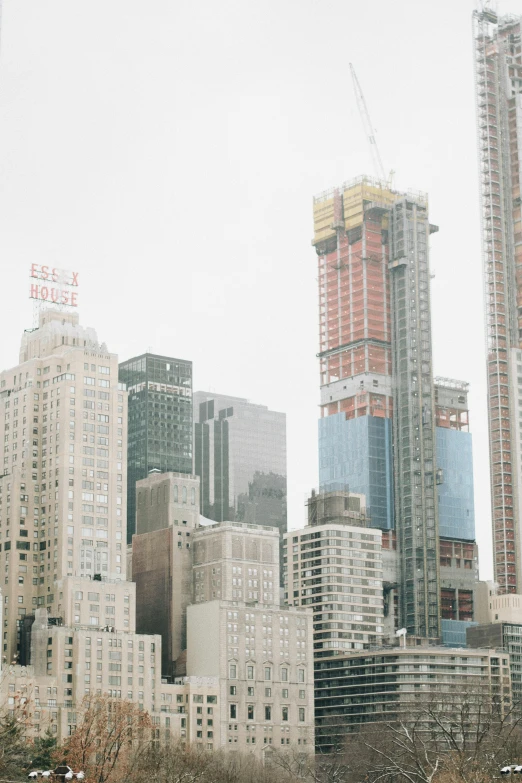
[[492, 607], [263, 659], [167, 516], [70, 664], [235, 561], [167, 500], [336, 569], [163, 575]]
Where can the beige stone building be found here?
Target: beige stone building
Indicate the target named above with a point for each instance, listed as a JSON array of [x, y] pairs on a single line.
[[492, 607], [262, 658], [70, 664], [62, 498], [235, 561]]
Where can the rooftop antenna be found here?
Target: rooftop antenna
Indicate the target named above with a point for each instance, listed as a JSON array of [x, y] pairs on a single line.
[[368, 129]]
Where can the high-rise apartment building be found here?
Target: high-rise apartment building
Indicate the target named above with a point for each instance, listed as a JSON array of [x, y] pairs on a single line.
[[334, 566], [62, 492], [498, 78], [376, 360], [240, 457], [159, 420]]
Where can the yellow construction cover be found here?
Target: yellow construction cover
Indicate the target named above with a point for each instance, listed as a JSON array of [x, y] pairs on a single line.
[[353, 199]]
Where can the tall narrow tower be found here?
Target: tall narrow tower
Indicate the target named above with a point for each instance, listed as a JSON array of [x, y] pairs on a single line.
[[375, 355], [498, 72]]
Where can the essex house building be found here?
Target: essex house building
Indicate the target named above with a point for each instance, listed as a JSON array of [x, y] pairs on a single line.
[[62, 489]]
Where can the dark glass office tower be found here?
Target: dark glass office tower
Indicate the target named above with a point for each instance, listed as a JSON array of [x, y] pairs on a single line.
[[240, 457], [159, 420]]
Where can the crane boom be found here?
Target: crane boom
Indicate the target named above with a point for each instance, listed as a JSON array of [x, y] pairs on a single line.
[[368, 128]]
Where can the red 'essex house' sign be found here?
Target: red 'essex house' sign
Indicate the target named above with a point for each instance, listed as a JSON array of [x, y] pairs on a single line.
[[55, 285]]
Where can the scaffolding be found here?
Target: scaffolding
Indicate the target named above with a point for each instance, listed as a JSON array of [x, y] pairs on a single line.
[[337, 505], [374, 322], [451, 404], [413, 420], [354, 304], [451, 383]]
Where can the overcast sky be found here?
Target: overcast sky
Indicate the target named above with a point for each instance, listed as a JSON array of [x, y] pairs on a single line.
[[169, 151]]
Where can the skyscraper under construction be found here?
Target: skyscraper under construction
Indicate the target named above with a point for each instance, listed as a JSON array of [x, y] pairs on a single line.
[[498, 79], [377, 431]]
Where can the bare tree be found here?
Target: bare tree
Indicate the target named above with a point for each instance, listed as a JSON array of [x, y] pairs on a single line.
[[171, 763], [108, 740], [177, 763], [463, 737], [323, 768], [15, 748]]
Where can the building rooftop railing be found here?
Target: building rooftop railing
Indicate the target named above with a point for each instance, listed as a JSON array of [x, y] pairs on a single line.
[[242, 525], [451, 383], [415, 195]]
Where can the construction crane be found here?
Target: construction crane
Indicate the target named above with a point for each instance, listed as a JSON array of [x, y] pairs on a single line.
[[368, 129]]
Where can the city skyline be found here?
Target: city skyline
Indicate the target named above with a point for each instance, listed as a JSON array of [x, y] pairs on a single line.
[[240, 563], [253, 377]]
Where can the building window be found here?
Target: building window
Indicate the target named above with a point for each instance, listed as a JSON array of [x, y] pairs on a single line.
[[250, 712], [250, 672], [233, 711], [301, 675], [268, 673], [268, 712], [284, 675], [233, 671], [301, 714]]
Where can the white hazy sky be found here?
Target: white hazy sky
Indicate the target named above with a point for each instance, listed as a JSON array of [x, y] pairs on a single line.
[[169, 151]]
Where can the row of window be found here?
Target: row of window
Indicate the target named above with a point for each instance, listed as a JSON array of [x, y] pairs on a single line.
[[267, 712], [250, 673]]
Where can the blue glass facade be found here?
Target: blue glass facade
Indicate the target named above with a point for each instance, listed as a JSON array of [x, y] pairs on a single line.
[[456, 506], [357, 454], [454, 632]]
